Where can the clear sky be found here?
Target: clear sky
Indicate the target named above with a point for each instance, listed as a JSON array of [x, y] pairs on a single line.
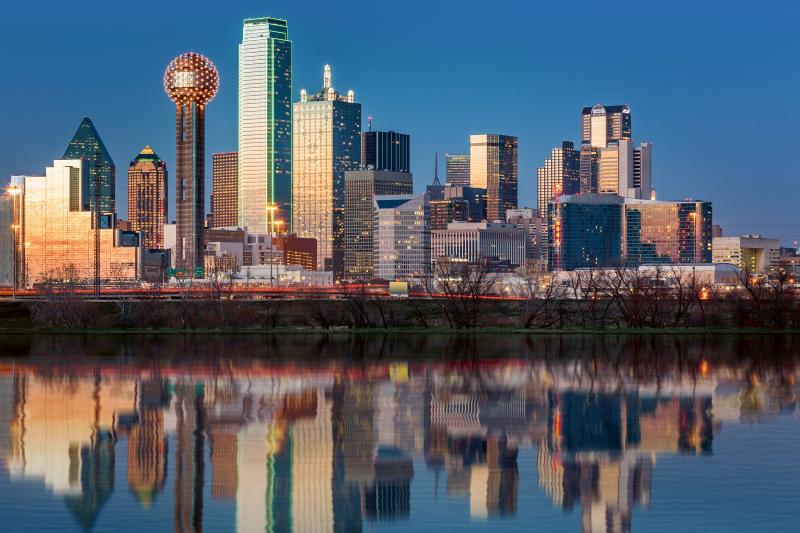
[[712, 84]]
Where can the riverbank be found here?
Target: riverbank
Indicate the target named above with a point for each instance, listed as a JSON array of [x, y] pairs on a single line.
[[395, 316]]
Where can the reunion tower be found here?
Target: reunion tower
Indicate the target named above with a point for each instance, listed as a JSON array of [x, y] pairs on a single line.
[[191, 81]]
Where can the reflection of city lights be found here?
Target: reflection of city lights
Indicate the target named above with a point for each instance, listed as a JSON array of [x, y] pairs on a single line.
[[705, 367]]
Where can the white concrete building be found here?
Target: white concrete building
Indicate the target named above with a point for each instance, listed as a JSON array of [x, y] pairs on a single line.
[[752, 253], [401, 241], [473, 241]]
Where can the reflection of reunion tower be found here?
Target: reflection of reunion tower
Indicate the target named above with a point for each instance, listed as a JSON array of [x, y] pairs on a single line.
[[191, 81]]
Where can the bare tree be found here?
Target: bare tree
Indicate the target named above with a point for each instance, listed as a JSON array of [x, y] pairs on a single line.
[[460, 289], [542, 292], [356, 298], [221, 278], [64, 305]]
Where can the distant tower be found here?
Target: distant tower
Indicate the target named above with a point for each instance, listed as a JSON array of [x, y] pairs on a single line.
[[191, 81], [147, 197], [493, 166]]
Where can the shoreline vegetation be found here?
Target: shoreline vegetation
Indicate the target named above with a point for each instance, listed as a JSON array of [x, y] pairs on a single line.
[[466, 299], [370, 314]]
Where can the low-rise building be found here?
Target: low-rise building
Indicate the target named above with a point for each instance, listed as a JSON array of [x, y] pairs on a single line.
[[401, 237], [751, 253], [474, 241]]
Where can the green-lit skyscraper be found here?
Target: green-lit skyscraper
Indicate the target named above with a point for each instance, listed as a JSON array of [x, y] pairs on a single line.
[[265, 124], [86, 144]]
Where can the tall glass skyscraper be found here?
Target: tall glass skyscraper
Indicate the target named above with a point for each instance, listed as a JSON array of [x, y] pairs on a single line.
[[327, 143], [265, 124], [86, 144], [493, 166]]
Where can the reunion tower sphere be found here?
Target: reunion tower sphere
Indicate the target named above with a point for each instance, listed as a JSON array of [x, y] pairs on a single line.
[[191, 77]]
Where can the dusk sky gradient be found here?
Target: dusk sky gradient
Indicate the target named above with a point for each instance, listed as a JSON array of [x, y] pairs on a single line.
[[713, 85]]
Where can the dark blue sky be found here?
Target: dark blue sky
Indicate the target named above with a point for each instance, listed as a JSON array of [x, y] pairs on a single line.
[[712, 84]]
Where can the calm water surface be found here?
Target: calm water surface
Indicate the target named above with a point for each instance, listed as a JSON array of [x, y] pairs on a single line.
[[396, 433]]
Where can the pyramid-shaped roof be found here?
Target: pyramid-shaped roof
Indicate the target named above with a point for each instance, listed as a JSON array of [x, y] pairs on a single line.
[[147, 154], [86, 143]]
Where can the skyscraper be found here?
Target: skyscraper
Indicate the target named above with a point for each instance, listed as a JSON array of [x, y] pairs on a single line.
[[147, 197], [457, 169], [225, 190], [625, 170], [327, 143], [559, 175], [86, 144], [265, 124], [361, 188], [609, 162], [191, 81], [493, 166], [386, 150], [601, 125]]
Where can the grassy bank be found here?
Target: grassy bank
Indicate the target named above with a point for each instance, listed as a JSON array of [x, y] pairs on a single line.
[[381, 316]]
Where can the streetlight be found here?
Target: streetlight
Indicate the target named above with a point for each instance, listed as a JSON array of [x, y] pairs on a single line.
[[14, 191], [271, 208]]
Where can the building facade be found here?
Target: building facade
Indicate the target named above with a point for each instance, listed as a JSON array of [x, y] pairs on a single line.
[[457, 169], [535, 226], [10, 226], [402, 243], [386, 150], [86, 144], [585, 231], [493, 166], [327, 143], [666, 232], [147, 198], [225, 190], [265, 124], [297, 251], [625, 170], [191, 81], [59, 234], [456, 203], [607, 231], [474, 241], [753, 254], [559, 175], [361, 188], [609, 161], [601, 125]]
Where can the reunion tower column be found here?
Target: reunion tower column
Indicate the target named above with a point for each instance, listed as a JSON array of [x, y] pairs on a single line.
[[191, 81]]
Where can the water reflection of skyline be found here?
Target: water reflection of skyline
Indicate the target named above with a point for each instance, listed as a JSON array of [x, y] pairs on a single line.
[[329, 444]]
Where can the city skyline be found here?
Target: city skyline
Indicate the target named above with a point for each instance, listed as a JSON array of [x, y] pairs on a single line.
[[656, 90]]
